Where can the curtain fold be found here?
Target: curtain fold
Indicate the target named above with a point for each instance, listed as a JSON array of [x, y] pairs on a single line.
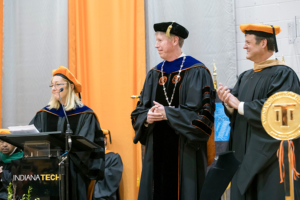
[[107, 55], [1, 53]]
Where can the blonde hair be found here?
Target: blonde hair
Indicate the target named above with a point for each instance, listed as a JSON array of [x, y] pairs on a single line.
[[72, 100], [180, 40]]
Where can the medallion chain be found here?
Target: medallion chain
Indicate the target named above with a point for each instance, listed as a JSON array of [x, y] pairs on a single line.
[[163, 81]]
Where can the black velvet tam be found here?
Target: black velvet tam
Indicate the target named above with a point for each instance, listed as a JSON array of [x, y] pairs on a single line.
[[219, 177], [177, 29]]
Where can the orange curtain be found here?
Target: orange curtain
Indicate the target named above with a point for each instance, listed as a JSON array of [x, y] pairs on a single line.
[[1, 54], [107, 54]]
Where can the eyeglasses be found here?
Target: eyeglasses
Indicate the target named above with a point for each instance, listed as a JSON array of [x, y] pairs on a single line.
[[57, 85]]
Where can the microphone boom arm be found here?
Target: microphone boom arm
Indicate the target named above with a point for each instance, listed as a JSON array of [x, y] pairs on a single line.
[[68, 147]]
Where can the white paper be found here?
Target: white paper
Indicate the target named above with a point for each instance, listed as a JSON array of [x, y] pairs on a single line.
[[23, 129]]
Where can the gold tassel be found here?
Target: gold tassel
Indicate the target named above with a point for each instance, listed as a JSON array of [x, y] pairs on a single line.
[[169, 30], [215, 76]]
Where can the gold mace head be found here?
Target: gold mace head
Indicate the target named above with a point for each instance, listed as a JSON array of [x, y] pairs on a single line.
[[135, 97]]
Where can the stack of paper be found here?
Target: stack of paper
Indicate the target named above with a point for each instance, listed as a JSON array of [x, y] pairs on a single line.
[[23, 129]]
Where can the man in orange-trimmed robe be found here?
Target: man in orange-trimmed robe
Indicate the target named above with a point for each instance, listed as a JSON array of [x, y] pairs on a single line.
[[174, 120]]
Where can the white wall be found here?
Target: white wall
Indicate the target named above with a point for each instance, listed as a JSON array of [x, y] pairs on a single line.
[[275, 12], [211, 32], [35, 41]]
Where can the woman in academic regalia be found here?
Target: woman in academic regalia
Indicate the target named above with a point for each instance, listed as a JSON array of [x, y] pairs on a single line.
[[84, 166]]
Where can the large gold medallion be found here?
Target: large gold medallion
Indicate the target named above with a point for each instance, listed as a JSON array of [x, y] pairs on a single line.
[[280, 116]]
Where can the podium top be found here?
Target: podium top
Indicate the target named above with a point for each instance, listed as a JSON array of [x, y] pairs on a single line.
[[56, 139]]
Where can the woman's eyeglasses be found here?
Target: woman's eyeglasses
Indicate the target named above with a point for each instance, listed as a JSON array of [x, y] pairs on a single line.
[[57, 85]]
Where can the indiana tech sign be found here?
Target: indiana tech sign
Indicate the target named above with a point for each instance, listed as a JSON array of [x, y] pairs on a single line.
[[36, 177]]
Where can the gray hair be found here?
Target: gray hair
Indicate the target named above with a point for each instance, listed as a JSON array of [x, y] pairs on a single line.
[[180, 41]]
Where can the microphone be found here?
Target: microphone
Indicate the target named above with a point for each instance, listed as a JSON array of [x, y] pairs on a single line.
[[69, 132]]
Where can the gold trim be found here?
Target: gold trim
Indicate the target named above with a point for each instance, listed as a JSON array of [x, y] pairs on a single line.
[[108, 151], [67, 115], [267, 63], [184, 69], [46, 111], [80, 113]]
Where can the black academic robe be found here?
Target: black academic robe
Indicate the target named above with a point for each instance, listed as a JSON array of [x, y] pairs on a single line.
[[6, 176], [175, 161], [84, 166], [108, 188], [258, 176]]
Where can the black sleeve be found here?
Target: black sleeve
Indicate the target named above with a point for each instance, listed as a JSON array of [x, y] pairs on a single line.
[[91, 164], [194, 118], [37, 121], [112, 177], [6, 178], [139, 115]]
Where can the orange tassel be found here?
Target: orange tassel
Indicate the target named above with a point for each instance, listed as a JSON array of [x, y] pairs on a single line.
[[292, 161], [280, 155]]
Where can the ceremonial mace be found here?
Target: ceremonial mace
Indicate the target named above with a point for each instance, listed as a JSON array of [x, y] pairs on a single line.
[[216, 87], [280, 118], [215, 75], [138, 149], [135, 96]]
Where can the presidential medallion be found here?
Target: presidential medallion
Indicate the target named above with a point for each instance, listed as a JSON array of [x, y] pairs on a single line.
[[280, 116]]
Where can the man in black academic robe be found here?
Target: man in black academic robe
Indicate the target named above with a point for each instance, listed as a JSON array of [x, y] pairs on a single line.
[[8, 154], [174, 125], [258, 177], [108, 188], [84, 166]]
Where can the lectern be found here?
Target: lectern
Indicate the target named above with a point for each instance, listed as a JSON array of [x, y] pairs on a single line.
[[43, 164]]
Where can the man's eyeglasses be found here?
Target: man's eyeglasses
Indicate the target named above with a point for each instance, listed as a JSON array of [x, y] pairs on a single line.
[[57, 85]]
